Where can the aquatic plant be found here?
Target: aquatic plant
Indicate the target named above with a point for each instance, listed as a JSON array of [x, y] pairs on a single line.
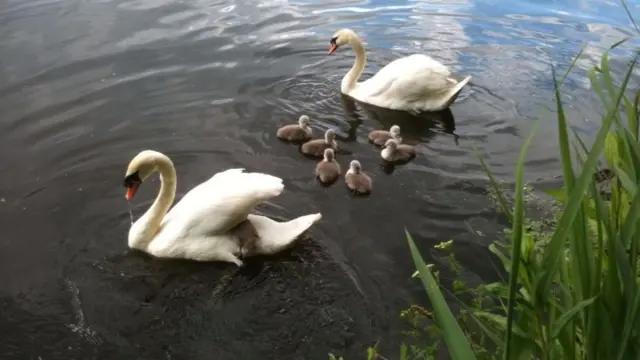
[[573, 287]]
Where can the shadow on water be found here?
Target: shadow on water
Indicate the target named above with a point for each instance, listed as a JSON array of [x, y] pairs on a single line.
[[418, 128], [144, 308]]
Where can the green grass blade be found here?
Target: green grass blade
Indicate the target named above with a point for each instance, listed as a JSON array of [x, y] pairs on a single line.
[[502, 201], [633, 153], [562, 321], [516, 240], [606, 75], [403, 352], [456, 341], [595, 83], [634, 126], [571, 66], [583, 146], [553, 252], [593, 326], [632, 120], [633, 21], [629, 286], [628, 229], [490, 333], [499, 321], [634, 146], [626, 181], [633, 322], [565, 152]]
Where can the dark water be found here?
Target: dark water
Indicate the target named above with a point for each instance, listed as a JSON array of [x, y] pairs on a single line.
[[85, 85]]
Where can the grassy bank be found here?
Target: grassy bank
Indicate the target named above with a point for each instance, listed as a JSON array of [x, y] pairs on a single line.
[[573, 286]]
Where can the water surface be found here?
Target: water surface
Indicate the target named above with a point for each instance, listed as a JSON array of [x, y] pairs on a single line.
[[85, 85]]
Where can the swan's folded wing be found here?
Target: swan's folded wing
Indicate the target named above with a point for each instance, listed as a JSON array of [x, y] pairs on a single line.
[[220, 203], [408, 77], [425, 82]]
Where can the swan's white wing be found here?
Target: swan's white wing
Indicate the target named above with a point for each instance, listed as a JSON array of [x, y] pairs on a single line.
[[411, 63], [218, 204], [420, 84], [406, 72]]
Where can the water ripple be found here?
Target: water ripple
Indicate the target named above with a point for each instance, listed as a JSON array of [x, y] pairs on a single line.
[[84, 86]]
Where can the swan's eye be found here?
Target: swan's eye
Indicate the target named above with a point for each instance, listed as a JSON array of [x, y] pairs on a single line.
[[132, 180], [333, 40]]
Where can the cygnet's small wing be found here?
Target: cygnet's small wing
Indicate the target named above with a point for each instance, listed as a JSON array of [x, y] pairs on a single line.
[[328, 171], [360, 183], [292, 133], [379, 137], [315, 147]]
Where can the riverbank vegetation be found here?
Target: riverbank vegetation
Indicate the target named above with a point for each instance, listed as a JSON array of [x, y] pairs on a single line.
[[572, 284]]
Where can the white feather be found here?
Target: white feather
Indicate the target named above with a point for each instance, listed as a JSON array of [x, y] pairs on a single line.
[[413, 83], [197, 227]]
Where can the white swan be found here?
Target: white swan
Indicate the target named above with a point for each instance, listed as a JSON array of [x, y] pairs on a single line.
[[201, 226], [413, 83]]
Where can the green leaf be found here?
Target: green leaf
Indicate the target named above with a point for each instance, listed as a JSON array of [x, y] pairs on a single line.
[[626, 181], [553, 252], [456, 341], [633, 21], [611, 149], [502, 201], [595, 83], [558, 194], [634, 124], [518, 228], [403, 352], [562, 321], [500, 322]]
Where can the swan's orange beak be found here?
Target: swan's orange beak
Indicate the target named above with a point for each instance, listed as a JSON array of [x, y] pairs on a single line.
[[332, 48], [131, 191]]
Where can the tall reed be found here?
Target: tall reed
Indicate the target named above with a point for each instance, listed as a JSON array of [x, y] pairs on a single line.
[[577, 296]]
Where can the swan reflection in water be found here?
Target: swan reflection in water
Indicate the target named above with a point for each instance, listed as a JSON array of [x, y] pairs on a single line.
[[416, 129]]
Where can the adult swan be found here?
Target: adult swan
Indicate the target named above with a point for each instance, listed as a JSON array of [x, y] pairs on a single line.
[[203, 226], [413, 83]]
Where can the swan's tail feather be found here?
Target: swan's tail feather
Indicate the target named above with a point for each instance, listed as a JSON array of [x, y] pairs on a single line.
[[277, 236], [456, 90]]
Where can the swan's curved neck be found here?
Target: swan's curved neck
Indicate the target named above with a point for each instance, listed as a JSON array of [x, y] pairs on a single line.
[[351, 78], [144, 230]]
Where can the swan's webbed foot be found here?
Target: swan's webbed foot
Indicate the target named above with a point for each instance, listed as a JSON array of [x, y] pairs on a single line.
[[414, 111], [232, 258]]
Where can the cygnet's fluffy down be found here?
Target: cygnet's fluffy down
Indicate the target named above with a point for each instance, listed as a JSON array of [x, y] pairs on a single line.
[[299, 132], [328, 170], [380, 137], [247, 236], [356, 180], [317, 147], [397, 153]]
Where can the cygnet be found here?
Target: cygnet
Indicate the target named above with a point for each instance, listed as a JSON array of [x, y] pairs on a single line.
[[328, 170], [380, 137], [397, 153], [299, 132], [316, 147], [356, 180]]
